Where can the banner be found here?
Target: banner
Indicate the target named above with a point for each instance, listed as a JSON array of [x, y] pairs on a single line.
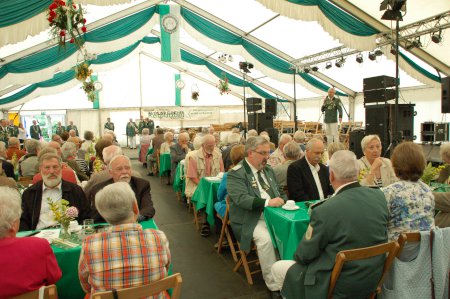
[[169, 19], [177, 91], [185, 113], [96, 102]]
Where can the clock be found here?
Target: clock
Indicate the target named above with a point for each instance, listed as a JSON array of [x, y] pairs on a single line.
[[98, 86], [180, 84], [169, 23]]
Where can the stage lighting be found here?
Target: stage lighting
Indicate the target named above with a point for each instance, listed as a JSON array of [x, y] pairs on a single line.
[[437, 37], [306, 69], [245, 66], [315, 68], [417, 43], [378, 52], [393, 50], [372, 56], [328, 65], [359, 58], [393, 8], [340, 62]]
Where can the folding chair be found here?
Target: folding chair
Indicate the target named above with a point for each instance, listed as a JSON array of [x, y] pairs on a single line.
[[171, 282], [50, 292], [390, 249], [225, 232], [243, 261], [407, 237]]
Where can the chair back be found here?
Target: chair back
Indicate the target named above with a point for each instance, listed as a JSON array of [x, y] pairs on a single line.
[[407, 237], [171, 282], [50, 292], [390, 249]]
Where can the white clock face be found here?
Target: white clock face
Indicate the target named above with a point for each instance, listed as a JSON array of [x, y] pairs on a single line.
[[98, 86], [170, 23], [180, 84]]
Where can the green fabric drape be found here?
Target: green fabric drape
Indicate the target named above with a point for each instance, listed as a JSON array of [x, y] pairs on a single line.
[[340, 18], [420, 69], [116, 55], [16, 11]]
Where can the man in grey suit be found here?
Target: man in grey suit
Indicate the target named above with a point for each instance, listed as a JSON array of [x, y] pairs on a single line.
[[178, 152], [252, 186], [354, 217]]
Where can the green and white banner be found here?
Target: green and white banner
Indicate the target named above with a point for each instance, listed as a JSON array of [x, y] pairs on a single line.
[[169, 18], [177, 90]]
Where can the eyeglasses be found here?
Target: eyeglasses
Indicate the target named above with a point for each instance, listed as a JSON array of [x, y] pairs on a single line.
[[265, 154]]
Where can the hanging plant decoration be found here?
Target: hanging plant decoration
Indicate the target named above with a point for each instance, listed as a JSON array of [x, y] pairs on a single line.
[[89, 89], [82, 72], [195, 92], [223, 85]]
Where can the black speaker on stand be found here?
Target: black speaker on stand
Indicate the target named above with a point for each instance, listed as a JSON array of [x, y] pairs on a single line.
[[445, 95], [271, 107], [354, 142]]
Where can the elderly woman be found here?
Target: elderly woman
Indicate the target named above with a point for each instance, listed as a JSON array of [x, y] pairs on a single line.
[[165, 147], [88, 141], [376, 171], [300, 138], [69, 155], [22, 272], [445, 156], [410, 201], [145, 142], [291, 153]]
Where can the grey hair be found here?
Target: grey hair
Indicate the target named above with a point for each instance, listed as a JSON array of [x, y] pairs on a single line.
[[110, 152], [292, 151], [207, 137], [266, 137], [184, 136], [48, 156], [145, 131], [115, 202], [285, 138], [233, 138], [115, 158], [167, 134], [253, 143], [10, 209], [47, 150], [334, 147], [367, 139], [299, 136], [68, 149], [311, 143], [13, 141], [252, 133], [32, 146], [444, 151], [344, 166], [198, 141], [332, 88]]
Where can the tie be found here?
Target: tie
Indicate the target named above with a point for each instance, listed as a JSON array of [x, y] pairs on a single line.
[[264, 185]]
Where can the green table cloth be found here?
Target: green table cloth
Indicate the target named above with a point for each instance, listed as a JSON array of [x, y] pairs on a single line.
[[286, 228], [164, 164], [69, 286], [206, 195], [438, 187], [179, 182]]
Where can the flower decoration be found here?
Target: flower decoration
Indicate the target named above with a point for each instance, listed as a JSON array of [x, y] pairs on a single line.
[[430, 173], [66, 21], [223, 85], [62, 213], [89, 89], [363, 173], [82, 72], [195, 95]]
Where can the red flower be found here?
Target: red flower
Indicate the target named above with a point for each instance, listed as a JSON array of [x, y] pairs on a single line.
[[52, 14], [62, 3], [53, 6], [83, 21], [72, 40], [50, 20], [83, 29], [74, 6], [62, 33]]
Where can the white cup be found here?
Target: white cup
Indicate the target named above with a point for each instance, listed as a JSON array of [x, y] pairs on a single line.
[[290, 203]]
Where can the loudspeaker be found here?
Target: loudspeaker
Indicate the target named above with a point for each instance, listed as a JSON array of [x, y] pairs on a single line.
[[253, 104], [379, 82], [445, 95], [354, 142], [260, 121], [273, 134], [378, 95], [271, 106]]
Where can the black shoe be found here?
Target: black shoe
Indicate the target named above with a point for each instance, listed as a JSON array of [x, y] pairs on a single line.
[[150, 174], [275, 294], [205, 231]]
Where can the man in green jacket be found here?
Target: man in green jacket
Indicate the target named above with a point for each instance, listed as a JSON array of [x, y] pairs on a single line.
[[354, 217], [251, 185], [331, 106], [109, 125], [131, 131]]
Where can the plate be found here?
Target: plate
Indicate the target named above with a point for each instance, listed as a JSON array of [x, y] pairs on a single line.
[[290, 209]]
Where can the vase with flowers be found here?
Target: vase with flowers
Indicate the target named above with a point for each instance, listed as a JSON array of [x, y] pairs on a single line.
[[430, 173], [63, 214]]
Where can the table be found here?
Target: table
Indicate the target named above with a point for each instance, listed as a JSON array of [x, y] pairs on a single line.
[[206, 195], [179, 182], [438, 187], [164, 164], [69, 286], [286, 228]]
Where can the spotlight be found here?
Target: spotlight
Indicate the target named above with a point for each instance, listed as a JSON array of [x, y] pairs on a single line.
[[393, 50], [378, 52], [340, 62], [306, 69], [328, 65], [417, 43], [372, 56], [393, 8], [359, 58], [315, 68], [245, 66], [437, 37]]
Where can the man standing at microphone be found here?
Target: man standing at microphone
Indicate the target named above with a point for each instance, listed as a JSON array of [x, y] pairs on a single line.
[[331, 106]]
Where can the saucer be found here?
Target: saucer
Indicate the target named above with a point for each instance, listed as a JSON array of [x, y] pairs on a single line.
[[290, 208]]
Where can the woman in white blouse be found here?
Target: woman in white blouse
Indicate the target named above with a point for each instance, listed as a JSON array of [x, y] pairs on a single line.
[[165, 147]]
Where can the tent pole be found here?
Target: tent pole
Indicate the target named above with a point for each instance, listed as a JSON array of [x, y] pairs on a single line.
[[295, 103], [245, 112], [140, 84]]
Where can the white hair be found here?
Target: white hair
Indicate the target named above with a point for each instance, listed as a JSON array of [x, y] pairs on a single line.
[[115, 202], [299, 136], [184, 136], [292, 151], [233, 138], [69, 149], [110, 152], [198, 141], [252, 133], [311, 143], [145, 131], [367, 139], [115, 158], [266, 137], [208, 137], [285, 138], [10, 209], [344, 166]]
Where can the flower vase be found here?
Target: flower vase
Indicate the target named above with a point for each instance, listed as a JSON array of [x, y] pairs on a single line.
[[64, 234]]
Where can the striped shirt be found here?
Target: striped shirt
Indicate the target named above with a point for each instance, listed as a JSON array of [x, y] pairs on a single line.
[[122, 257]]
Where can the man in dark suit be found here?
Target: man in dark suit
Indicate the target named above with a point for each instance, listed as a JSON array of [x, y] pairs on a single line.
[[251, 186], [71, 126], [307, 178], [178, 152], [120, 171], [36, 213], [354, 217], [35, 130]]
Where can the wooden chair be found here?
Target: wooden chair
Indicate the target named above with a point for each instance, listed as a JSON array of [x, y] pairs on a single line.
[[225, 232], [390, 249], [243, 261], [25, 181], [50, 292], [407, 237], [171, 282]]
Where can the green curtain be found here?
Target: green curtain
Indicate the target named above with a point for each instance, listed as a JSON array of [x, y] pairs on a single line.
[[113, 56], [16, 11], [420, 69]]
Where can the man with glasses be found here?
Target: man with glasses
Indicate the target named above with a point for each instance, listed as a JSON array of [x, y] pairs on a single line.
[[252, 186], [120, 170]]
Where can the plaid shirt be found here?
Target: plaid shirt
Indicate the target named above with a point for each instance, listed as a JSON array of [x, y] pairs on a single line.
[[122, 257]]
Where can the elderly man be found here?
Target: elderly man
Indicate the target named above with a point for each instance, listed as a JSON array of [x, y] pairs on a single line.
[[178, 152], [307, 178], [252, 133], [28, 163], [300, 137], [14, 148], [36, 213], [204, 162], [251, 186], [120, 170], [7, 168], [291, 153], [277, 157], [4, 132], [109, 125], [13, 130], [233, 139], [57, 138], [18, 256], [125, 255], [59, 129], [35, 130], [354, 217], [331, 106], [131, 131], [70, 127]]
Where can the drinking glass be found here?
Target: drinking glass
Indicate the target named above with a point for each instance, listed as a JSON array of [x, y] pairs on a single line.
[[88, 226]]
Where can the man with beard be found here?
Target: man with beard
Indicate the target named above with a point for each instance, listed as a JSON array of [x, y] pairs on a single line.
[[307, 178], [251, 186], [36, 213], [120, 170]]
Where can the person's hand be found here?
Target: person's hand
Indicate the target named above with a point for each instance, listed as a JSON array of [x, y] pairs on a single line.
[[184, 146], [276, 202], [376, 164]]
